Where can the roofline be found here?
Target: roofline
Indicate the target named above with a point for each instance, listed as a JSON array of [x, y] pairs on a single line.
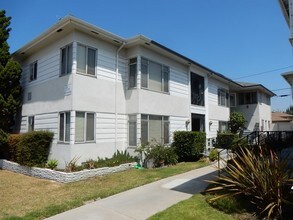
[[260, 85], [193, 62], [285, 11]]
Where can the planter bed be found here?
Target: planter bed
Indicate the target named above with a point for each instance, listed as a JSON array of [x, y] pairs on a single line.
[[60, 176]]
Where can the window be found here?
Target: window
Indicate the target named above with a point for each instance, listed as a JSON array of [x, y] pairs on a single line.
[[66, 60], [232, 99], [84, 127], [31, 123], [29, 96], [33, 70], [247, 98], [86, 60], [154, 76], [154, 129], [64, 126], [223, 126], [223, 97], [197, 89], [132, 73], [132, 130], [197, 122]]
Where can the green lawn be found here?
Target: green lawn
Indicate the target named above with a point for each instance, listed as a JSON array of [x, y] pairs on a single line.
[[24, 197], [194, 208]]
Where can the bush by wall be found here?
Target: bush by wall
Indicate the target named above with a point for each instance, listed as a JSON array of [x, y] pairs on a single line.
[[33, 148], [189, 145], [226, 140], [13, 141]]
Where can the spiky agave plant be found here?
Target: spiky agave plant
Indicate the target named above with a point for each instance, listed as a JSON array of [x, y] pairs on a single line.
[[260, 176]]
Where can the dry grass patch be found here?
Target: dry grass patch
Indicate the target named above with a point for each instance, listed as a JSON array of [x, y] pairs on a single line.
[[31, 198]]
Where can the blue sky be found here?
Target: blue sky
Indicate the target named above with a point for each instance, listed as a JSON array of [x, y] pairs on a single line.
[[235, 39]]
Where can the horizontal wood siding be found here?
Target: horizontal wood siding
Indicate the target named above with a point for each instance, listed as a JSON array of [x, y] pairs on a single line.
[[177, 124], [47, 122], [178, 83], [105, 127]]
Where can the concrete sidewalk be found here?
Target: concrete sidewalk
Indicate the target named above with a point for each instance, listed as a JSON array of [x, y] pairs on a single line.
[[144, 201]]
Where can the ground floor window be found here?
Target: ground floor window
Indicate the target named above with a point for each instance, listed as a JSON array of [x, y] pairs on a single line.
[[31, 123], [223, 126], [197, 122], [154, 129], [64, 126], [84, 126], [132, 130]]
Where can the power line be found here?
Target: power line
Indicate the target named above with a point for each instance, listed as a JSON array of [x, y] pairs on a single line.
[[268, 71], [280, 89]]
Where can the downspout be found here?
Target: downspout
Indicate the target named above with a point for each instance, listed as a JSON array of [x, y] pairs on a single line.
[[116, 90]]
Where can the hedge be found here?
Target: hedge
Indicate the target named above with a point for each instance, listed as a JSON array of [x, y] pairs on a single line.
[[33, 148], [189, 145], [3, 144], [226, 140]]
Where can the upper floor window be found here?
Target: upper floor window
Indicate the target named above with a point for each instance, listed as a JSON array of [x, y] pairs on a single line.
[[154, 76], [247, 98], [31, 123], [86, 60], [154, 129], [197, 89], [33, 70], [132, 73], [223, 97], [232, 99], [66, 60], [84, 127], [64, 126]]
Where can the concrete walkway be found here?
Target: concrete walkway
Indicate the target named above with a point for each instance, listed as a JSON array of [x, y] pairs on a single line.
[[144, 201]]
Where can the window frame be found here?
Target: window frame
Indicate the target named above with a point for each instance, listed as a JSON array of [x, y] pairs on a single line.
[[87, 48], [165, 133], [85, 128], [68, 62], [65, 132], [233, 103], [33, 71], [165, 76], [223, 93], [135, 63]]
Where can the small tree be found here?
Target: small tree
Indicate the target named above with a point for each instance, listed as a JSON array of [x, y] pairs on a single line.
[[10, 73], [236, 122], [290, 110]]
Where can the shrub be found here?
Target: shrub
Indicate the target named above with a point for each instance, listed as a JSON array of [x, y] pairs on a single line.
[[13, 141], [33, 148], [226, 140], [236, 122], [3, 144], [260, 177], [117, 159], [188, 145], [159, 154], [52, 164], [71, 166], [213, 155]]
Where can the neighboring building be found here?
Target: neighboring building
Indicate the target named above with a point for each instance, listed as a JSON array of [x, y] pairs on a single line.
[[100, 93], [289, 78], [282, 121], [254, 101]]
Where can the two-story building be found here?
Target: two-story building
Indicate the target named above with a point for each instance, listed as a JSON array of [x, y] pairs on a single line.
[[100, 93]]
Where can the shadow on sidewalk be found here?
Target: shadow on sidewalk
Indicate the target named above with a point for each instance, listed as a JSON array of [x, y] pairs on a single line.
[[195, 185]]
